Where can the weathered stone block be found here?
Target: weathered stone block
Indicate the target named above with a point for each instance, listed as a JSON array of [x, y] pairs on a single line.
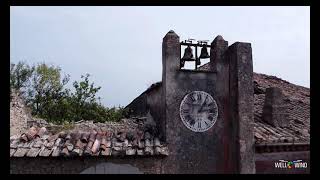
[[275, 108], [241, 96]]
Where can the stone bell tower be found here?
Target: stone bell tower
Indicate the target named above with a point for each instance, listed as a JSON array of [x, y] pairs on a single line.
[[227, 146]]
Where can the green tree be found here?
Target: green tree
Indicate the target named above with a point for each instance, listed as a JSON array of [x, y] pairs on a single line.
[[84, 97], [20, 74], [48, 97], [47, 91], [88, 107]]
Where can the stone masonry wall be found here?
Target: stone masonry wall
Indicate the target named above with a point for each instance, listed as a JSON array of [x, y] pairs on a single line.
[[147, 165], [19, 115], [148, 103], [92, 165]]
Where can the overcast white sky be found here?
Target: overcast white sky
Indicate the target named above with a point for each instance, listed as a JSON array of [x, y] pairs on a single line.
[[121, 46]]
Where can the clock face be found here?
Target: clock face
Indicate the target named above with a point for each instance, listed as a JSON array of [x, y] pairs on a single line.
[[198, 111]]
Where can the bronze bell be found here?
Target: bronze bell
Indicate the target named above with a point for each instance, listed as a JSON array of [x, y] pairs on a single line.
[[204, 52], [187, 54]]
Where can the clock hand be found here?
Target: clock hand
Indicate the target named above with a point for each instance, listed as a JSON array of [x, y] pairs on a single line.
[[202, 105]]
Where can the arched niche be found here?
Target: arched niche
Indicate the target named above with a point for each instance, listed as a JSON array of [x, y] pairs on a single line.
[[112, 168]]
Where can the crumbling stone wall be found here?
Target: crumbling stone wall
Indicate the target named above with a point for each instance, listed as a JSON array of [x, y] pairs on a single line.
[[148, 105], [138, 107], [19, 114]]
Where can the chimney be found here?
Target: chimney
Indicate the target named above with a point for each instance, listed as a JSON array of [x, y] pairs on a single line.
[[275, 108]]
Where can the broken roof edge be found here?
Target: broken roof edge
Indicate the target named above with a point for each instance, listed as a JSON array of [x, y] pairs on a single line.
[[148, 90]]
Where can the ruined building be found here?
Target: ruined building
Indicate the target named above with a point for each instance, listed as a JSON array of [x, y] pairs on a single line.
[[19, 114], [220, 117]]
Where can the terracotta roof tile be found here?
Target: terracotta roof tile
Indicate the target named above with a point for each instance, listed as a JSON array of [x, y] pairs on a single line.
[[56, 151], [74, 143], [45, 152], [140, 152], [106, 152], [33, 152], [298, 107], [76, 152], [96, 145], [20, 152], [85, 137], [12, 151]]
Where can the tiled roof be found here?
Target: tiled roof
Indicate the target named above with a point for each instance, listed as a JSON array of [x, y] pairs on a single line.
[[298, 103], [298, 109], [153, 86], [205, 67], [39, 142]]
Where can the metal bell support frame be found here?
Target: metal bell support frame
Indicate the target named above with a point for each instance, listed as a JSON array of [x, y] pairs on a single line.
[[188, 55]]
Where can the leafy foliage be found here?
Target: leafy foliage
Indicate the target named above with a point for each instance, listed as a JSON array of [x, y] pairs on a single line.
[[46, 92], [49, 98], [20, 75]]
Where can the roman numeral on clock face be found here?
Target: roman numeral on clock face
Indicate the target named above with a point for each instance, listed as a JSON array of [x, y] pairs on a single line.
[[185, 110], [199, 97], [205, 100], [199, 124], [192, 98], [206, 123], [190, 120]]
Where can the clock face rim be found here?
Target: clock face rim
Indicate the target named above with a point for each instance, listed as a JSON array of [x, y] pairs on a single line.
[[184, 120]]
